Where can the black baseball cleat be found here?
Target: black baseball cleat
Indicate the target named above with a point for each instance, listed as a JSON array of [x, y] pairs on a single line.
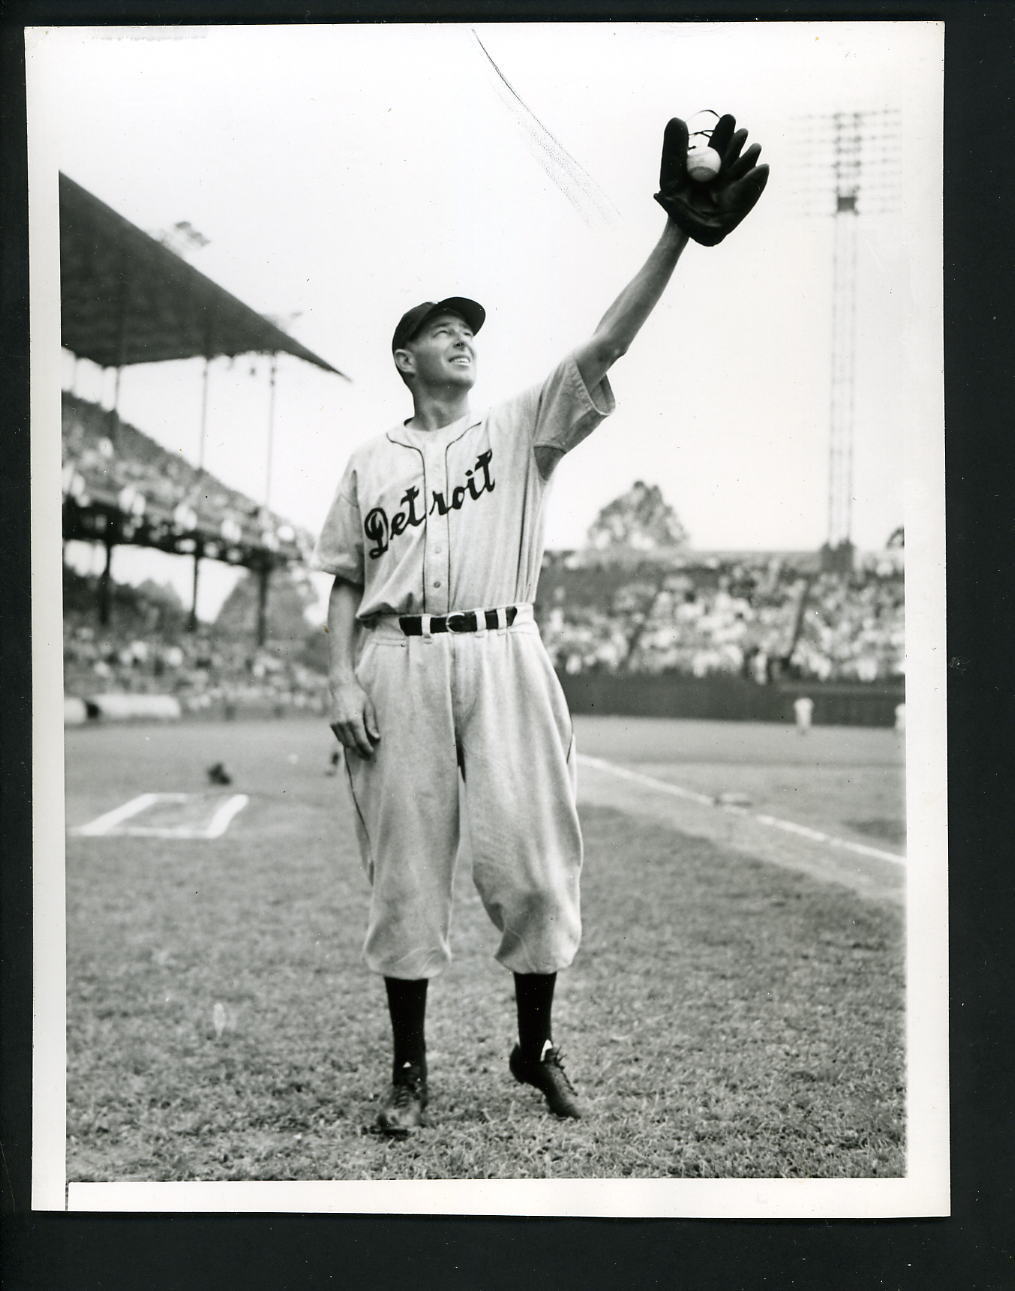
[[403, 1109], [547, 1075]]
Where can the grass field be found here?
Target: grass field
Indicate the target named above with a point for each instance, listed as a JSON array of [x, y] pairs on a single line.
[[736, 1010]]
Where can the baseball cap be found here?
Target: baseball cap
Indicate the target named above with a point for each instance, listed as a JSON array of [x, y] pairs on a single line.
[[412, 320]]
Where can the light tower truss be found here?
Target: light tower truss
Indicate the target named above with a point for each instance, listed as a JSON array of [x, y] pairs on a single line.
[[862, 178]]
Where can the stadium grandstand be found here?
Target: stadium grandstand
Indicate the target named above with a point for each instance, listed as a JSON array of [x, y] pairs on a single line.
[[120, 486], [765, 616], [127, 298]]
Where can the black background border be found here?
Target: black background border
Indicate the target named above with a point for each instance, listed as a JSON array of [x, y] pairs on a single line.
[[972, 1249]]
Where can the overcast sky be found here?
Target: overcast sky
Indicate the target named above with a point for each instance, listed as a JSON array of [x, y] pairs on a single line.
[[344, 173]]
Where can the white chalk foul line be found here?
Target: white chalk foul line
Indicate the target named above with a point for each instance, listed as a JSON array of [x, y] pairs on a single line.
[[773, 822], [217, 825], [622, 773], [862, 849]]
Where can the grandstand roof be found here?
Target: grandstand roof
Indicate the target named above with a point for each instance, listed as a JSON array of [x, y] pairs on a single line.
[[126, 298]]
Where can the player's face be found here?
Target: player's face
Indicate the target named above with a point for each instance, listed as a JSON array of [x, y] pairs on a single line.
[[445, 352]]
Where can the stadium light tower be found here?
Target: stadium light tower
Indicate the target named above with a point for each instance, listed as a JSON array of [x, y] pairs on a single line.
[[861, 180]]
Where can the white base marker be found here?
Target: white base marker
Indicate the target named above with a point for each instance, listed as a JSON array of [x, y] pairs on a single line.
[[103, 824], [220, 821], [113, 821]]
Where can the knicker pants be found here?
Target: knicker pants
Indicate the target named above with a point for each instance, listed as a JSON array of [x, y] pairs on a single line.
[[476, 744]]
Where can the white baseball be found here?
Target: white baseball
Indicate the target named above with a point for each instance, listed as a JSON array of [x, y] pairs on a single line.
[[703, 164]]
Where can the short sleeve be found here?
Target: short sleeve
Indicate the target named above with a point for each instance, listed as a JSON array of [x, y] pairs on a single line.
[[567, 411], [339, 548]]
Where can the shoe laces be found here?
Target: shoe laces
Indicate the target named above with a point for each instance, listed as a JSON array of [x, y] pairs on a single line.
[[405, 1094], [555, 1058], [407, 1088]]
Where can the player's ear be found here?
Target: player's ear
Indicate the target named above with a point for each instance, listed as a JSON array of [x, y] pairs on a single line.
[[405, 362]]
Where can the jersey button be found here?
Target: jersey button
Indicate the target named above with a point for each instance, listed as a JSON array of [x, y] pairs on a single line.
[[436, 582]]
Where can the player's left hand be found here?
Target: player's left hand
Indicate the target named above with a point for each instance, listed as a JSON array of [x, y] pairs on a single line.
[[708, 211]]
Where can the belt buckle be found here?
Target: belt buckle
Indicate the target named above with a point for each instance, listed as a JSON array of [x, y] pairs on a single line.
[[456, 622]]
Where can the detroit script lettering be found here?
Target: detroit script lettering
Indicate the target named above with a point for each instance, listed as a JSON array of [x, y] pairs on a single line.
[[380, 529]]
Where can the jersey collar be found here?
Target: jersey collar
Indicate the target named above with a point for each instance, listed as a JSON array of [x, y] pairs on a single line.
[[401, 434]]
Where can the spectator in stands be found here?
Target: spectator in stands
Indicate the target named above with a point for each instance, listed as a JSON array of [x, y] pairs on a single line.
[[716, 619]]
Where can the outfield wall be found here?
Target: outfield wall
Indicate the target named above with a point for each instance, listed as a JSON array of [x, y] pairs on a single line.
[[731, 699]]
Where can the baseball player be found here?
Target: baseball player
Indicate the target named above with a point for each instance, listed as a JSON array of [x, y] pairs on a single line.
[[803, 711], [455, 729]]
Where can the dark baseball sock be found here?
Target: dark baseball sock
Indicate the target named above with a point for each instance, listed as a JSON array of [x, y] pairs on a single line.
[[534, 1000], [407, 1007]]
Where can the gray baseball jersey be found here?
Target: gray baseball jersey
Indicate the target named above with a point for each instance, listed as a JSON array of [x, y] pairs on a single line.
[[476, 740], [428, 522]]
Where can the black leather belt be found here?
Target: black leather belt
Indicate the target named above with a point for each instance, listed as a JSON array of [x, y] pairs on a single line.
[[412, 624]]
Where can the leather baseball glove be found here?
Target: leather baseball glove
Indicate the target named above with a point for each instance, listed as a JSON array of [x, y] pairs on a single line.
[[708, 211]]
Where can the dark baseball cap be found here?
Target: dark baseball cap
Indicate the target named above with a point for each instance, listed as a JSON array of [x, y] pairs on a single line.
[[411, 321]]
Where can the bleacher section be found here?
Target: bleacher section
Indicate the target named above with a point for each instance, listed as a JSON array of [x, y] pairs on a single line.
[[761, 619], [118, 480], [697, 625], [147, 650]]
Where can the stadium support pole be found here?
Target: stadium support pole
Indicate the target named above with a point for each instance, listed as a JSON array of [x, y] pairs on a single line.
[[798, 620], [271, 431], [204, 413], [121, 338], [117, 378], [263, 575], [192, 618], [106, 579]]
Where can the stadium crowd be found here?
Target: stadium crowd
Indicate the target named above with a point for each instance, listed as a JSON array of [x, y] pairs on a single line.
[[147, 649], [141, 478], [750, 620], [610, 607], [760, 620]]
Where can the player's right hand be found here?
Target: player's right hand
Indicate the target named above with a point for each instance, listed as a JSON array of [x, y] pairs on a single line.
[[354, 719]]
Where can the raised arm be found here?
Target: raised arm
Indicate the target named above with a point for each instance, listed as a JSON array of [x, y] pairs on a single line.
[[622, 321], [703, 209]]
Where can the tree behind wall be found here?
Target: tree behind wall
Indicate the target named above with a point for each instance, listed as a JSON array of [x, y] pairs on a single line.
[[637, 525], [290, 595], [640, 530]]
